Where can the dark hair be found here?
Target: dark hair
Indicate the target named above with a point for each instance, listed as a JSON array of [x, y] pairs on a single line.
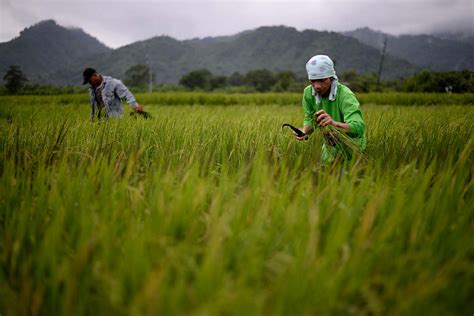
[[87, 74]]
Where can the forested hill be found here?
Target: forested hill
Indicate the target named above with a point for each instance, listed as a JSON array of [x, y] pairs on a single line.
[[47, 47], [49, 53], [274, 48], [430, 52]]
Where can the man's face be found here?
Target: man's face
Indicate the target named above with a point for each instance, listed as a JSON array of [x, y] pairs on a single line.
[[95, 80], [321, 86]]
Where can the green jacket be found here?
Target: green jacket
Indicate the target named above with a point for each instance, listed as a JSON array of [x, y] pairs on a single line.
[[344, 109]]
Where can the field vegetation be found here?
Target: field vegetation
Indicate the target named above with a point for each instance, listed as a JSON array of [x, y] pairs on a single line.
[[209, 208]]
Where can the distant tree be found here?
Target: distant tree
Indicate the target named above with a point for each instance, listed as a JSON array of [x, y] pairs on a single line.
[[350, 76], [359, 82], [421, 82], [236, 79], [15, 79], [218, 82], [284, 80], [261, 79], [197, 79], [137, 75], [448, 81]]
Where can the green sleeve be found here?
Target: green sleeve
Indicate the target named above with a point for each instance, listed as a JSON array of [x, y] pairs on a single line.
[[308, 108], [353, 115]]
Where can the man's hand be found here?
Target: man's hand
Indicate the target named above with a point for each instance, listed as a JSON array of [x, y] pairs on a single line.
[[300, 138], [323, 119], [138, 108]]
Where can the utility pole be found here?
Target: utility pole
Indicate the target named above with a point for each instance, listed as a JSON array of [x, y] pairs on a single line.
[[150, 79], [150, 74], [381, 64]]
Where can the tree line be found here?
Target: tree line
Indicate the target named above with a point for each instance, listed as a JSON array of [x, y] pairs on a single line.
[[263, 80], [260, 80]]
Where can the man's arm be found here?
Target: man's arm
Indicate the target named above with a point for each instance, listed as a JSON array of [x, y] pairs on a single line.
[[123, 93], [353, 123], [325, 119], [353, 116]]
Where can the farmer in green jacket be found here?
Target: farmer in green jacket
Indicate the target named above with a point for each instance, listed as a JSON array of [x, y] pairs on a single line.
[[334, 109]]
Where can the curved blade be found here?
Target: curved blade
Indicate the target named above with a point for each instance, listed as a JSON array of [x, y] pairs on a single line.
[[296, 130]]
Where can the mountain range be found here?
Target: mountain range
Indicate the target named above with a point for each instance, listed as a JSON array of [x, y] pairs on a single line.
[[439, 53], [50, 53], [47, 47]]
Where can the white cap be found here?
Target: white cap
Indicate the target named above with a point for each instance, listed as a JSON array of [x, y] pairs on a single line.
[[320, 67]]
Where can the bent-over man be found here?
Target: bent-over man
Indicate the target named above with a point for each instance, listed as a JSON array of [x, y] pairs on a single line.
[[106, 94]]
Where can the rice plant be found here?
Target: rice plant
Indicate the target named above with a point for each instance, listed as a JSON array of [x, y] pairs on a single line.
[[210, 210]]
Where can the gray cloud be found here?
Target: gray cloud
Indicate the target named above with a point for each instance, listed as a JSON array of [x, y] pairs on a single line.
[[118, 23]]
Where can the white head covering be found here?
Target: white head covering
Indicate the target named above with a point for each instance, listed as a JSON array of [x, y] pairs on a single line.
[[321, 67]]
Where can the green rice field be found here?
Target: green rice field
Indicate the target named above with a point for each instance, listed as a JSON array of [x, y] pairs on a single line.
[[209, 208]]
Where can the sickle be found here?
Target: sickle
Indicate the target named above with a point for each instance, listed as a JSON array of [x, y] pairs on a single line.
[[297, 131]]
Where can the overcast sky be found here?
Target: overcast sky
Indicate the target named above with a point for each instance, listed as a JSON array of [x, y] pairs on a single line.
[[117, 23]]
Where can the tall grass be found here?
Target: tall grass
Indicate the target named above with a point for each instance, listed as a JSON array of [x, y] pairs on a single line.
[[215, 210]]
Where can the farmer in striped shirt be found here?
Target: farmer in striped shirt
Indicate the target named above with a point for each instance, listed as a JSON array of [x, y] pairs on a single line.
[[334, 109], [106, 94]]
